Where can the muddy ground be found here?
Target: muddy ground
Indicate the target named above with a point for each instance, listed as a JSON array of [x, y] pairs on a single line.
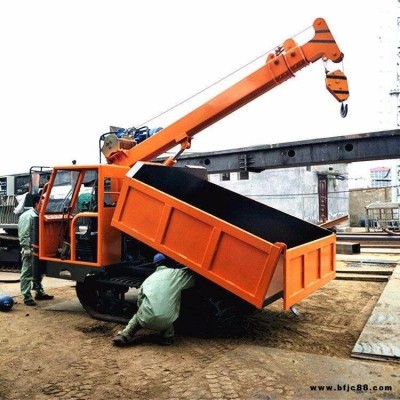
[[67, 355]]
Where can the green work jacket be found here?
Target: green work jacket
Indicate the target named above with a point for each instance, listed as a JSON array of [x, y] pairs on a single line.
[[159, 297], [25, 227]]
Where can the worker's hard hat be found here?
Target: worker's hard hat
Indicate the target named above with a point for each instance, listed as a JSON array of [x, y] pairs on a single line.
[[158, 258], [6, 302]]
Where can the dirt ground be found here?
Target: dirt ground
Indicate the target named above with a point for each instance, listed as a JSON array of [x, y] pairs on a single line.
[[67, 355]]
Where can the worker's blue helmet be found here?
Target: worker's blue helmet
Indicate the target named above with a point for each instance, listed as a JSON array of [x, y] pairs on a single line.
[[6, 302], [158, 258]]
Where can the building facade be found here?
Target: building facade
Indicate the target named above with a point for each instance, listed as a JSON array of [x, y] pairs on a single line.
[[314, 194]]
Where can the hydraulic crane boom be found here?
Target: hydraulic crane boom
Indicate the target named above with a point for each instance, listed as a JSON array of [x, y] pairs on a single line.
[[279, 67]]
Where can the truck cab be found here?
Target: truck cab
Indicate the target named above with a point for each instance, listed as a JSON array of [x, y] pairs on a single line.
[[75, 224]]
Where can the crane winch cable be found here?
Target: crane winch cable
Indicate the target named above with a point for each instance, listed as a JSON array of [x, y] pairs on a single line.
[[219, 80]]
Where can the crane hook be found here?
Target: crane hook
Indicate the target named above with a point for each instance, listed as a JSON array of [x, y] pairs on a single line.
[[343, 110]]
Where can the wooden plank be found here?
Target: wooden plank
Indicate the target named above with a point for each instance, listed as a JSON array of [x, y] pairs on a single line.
[[380, 339], [333, 222]]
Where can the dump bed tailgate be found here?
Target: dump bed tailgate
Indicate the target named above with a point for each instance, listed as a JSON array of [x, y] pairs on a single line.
[[232, 240]]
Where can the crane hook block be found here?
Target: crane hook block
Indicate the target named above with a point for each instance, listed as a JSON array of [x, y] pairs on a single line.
[[344, 108], [336, 83]]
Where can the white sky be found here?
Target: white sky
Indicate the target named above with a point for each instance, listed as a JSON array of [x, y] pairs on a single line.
[[70, 69]]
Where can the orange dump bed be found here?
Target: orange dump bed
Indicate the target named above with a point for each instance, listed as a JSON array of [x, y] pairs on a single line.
[[254, 251]]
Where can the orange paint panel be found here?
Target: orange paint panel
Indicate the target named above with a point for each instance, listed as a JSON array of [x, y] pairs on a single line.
[[237, 261], [195, 232], [312, 270], [328, 255], [307, 268], [295, 276], [142, 213], [48, 240], [109, 248]]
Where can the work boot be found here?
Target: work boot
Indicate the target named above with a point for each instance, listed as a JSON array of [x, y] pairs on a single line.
[[168, 336], [167, 341], [127, 336], [122, 340], [43, 296], [30, 302]]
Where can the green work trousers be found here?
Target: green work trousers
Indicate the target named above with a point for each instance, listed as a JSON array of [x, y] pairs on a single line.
[[26, 278]]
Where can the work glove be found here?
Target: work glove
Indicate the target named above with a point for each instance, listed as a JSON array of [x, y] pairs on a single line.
[[27, 252]]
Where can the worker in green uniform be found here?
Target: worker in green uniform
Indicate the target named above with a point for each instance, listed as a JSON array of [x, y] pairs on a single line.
[[159, 301], [25, 230]]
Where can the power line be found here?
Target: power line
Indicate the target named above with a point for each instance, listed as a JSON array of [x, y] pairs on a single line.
[[219, 80]]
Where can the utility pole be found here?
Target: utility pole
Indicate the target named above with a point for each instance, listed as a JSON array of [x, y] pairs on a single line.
[[395, 94], [396, 91]]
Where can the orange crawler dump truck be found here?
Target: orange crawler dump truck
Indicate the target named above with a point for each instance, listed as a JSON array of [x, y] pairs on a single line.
[[100, 225]]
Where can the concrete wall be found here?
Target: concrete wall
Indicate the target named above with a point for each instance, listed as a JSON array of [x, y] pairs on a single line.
[[359, 198], [293, 190]]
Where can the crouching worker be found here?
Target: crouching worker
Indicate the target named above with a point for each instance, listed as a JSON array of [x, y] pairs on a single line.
[[159, 300]]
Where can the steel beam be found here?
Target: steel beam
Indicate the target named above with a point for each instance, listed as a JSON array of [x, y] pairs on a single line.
[[379, 145]]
